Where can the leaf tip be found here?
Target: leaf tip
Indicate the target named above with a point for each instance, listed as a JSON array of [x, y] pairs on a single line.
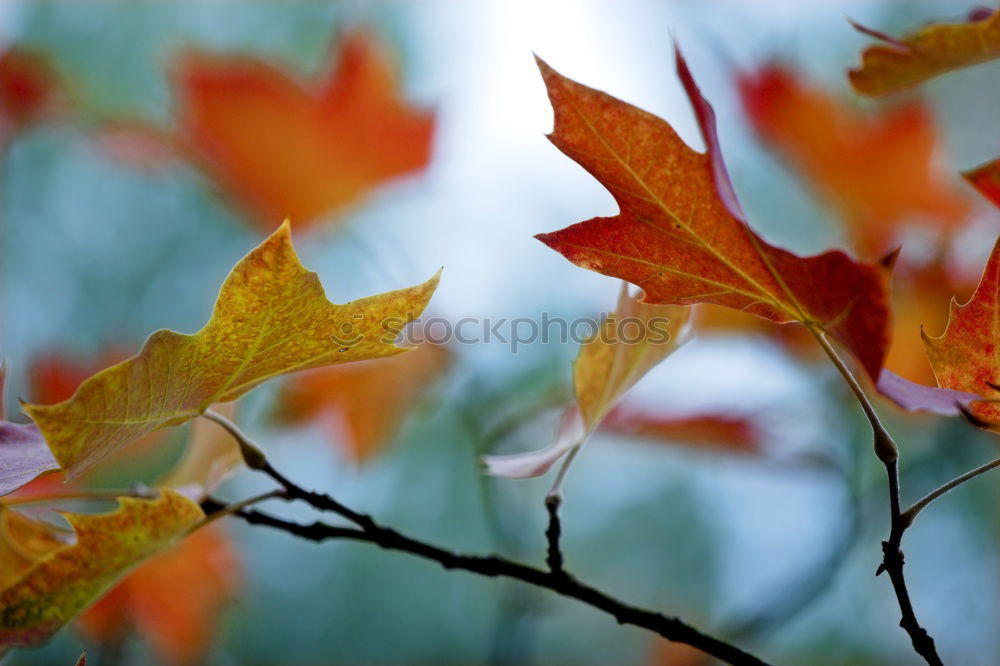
[[888, 261]]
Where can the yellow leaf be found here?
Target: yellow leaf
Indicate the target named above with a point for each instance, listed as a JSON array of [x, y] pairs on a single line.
[[272, 317], [629, 344], [23, 541], [65, 581], [898, 64]]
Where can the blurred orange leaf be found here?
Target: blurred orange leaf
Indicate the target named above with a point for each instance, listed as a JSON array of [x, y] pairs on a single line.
[[681, 235], [363, 404], [986, 179], [877, 170], [304, 151], [271, 318], [173, 600], [898, 64], [70, 578]]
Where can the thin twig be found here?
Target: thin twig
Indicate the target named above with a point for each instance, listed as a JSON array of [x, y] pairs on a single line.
[[919, 505], [892, 553], [554, 557], [671, 628], [229, 509]]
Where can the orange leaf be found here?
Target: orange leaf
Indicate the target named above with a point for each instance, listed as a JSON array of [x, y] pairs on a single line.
[[364, 403], [303, 151], [899, 64], [173, 600], [966, 357], [986, 179], [876, 170], [681, 235]]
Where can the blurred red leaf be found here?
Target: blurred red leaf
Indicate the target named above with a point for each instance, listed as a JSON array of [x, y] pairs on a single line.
[[727, 431], [363, 404], [681, 235], [986, 179], [29, 89], [301, 151], [876, 170], [173, 600], [54, 376]]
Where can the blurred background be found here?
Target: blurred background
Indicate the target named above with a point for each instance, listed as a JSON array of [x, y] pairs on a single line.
[[147, 146]]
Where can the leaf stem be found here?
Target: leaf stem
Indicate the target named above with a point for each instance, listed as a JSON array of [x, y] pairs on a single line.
[[252, 455], [77, 495], [557, 484], [919, 505], [885, 447], [892, 553]]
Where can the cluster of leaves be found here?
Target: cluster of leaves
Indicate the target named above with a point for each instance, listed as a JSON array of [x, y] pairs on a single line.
[[280, 147]]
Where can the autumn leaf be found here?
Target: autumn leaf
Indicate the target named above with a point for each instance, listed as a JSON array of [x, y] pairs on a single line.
[[966, 357], [62, 582], [24, 455], [613, 360], [285, 148], [627, 345], [915, 396], [726, 431], [173, 600], [363, 404], [24, 541], [680, 233], [877, 170], [898, 64], [271, 318], [986, 179]]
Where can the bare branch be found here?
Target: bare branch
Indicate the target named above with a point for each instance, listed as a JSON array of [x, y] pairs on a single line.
[[671, 628]]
